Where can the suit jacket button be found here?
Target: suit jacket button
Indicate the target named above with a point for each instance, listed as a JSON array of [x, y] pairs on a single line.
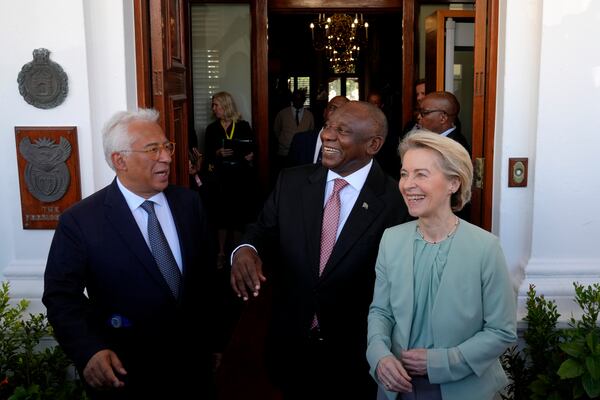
[[116, 321]]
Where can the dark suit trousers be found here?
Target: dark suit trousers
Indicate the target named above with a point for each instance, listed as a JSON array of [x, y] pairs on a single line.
[[318, 369]]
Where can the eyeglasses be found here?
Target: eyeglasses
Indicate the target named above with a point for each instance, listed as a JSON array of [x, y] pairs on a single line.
[[424, 113], [154, 150]]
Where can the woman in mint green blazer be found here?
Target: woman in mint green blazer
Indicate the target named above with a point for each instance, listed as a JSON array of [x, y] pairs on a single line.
[[443, 308]]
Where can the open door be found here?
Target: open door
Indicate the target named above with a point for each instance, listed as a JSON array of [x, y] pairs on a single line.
[[483, 92], [161, 49]]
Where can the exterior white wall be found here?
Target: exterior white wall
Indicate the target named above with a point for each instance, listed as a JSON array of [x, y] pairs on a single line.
[[548, 97], [89, 39]]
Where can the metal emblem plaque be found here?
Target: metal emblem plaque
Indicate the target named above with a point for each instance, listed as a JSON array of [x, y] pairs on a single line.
[[48, 163], [42, 82]]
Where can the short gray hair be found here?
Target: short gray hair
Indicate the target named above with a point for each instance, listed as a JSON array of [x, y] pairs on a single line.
[[455, 161], [115, 133]]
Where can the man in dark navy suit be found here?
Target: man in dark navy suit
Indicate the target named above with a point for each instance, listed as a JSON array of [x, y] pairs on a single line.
[[324, 274], [438, 113], [306, 146], [127, 274]]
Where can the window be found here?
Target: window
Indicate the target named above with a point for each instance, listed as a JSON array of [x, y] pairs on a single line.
[[220, 48], [300, 83], [344, 86]]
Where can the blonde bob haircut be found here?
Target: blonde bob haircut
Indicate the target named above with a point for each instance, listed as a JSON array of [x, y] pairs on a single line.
[[454, 161], [229, 109]]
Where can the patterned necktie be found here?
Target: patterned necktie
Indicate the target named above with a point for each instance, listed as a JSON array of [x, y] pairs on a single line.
[[331, 220], [161, 250]]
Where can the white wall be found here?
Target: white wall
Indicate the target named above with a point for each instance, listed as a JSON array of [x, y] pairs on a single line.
[[87, 39], [549, 96]]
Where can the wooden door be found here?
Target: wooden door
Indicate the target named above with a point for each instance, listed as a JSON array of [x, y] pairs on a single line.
[[162, 51], [484, 93]]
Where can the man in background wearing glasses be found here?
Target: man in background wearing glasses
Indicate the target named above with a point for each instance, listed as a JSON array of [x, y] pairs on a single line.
[[126, 270], [438, 112]]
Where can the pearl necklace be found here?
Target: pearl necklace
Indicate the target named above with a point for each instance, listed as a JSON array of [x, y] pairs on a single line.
[[452, 230]]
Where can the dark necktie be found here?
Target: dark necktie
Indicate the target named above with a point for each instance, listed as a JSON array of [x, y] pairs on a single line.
[[161, 250], [297, 117]]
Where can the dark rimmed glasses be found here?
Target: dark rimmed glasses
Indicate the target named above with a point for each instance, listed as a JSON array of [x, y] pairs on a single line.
[[153, 150]]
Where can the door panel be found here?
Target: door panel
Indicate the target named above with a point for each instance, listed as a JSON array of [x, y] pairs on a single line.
[[168, 47]]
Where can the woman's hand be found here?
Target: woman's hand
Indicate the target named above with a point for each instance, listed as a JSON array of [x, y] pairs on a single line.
[[249, 157], [393, 376], [415, 361]]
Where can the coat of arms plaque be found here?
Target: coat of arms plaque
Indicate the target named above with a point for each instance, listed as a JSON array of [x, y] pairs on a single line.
[[42, 82]]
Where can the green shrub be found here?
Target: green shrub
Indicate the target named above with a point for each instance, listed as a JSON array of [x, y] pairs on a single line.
[[28, 369], [557, 364]]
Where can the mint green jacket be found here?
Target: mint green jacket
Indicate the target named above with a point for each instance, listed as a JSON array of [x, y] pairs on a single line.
[[474, 311]]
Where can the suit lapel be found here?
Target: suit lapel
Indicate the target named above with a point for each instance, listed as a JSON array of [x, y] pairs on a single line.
[[119, 215], [177, 211], [313, 195], [367, 208]]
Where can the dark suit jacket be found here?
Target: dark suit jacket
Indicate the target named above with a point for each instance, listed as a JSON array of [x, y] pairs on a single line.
[[291, 222], [458, 136], [98, 247], [302, 149]]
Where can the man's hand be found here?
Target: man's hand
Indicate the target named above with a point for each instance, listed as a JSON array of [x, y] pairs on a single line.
[[393, 376], [246, 272], [99, 372]]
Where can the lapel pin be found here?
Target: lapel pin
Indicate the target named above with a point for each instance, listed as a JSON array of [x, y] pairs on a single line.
[[365, 205]]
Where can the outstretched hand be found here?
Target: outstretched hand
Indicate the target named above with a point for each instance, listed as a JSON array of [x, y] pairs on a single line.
[[246, 273]]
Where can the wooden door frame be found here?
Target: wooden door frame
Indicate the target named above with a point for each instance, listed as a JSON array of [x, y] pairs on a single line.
[[259, 63]]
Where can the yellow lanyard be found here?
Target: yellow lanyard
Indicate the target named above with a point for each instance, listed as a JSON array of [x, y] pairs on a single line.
[[230, 136]]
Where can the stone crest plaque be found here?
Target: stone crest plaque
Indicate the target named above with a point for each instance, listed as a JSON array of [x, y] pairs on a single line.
[[48, 173], [42, 82]]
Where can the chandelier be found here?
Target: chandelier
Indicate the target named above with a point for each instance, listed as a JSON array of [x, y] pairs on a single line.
[[341, 37]]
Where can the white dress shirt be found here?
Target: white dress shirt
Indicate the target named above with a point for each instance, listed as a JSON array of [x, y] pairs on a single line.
[[349, 193], [163, 213], [348, 196], [318, 146], [447, 132]]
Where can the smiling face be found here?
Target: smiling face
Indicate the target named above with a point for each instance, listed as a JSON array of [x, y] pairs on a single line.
[[141, 172], [425, 188], [350, 138]]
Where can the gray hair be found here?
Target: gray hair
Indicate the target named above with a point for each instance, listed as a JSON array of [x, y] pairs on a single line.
[[115, 133]]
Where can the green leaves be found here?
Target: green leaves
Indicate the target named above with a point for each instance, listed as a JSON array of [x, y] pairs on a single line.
[[570, 369], [573, 355], [582, 344], [28, 372]]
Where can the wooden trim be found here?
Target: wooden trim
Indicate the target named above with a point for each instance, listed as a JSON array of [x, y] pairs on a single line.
[[408, 59], [336, 4], [490, 111], [441, 16], [142, 53], [260, 86]]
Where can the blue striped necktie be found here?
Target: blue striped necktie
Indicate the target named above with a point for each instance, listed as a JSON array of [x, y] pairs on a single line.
[[161, 250]]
